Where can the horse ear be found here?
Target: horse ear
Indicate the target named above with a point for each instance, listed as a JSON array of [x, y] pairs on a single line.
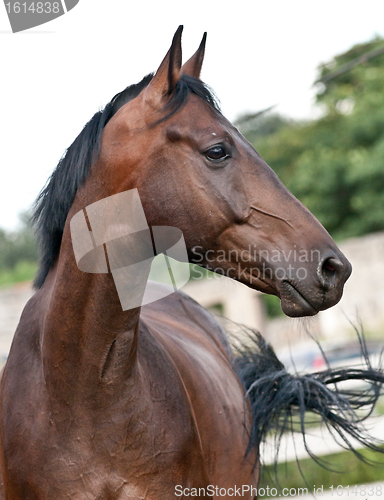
[[168, 73], [193, 66]]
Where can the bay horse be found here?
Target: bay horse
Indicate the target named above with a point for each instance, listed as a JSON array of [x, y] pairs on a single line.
[[148, 403]]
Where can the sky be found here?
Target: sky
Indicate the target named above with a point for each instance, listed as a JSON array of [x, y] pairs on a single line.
[[56, 76]]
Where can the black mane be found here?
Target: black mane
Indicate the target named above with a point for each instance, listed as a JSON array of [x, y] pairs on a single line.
[[53, 203]]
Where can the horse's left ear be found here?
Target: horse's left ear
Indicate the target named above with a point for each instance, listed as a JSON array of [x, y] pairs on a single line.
[[193, 66], [168, 74]]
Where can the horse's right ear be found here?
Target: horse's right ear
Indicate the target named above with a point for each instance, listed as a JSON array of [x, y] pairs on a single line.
[[168, 74], [193, 66]]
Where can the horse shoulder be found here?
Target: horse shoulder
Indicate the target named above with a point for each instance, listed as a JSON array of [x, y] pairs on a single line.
[[183, 314]]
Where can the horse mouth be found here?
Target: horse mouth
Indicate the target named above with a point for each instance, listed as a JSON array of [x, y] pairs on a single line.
[[293, 302]]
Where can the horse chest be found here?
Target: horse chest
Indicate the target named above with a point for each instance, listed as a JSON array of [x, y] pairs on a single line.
[[156, 437]]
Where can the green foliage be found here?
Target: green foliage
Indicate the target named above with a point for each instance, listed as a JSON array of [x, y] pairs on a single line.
[[261, 124], [334, 165], [23, 271], [272, 306], [18, 254], [343, 468]]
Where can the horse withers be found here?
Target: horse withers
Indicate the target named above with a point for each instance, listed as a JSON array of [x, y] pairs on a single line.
[[104, 403]]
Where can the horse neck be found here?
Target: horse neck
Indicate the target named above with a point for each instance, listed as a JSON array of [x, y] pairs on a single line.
[[87, 338]]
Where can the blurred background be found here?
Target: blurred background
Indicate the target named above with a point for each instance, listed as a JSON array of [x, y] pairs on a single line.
[[305, 85]]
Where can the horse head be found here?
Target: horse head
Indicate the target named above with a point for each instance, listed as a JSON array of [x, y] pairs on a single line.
[[194, 170]]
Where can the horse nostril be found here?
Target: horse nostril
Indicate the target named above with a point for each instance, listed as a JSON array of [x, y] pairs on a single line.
[[329, 270]]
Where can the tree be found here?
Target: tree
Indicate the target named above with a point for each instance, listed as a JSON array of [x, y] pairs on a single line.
[[335, 165], [18, 253]]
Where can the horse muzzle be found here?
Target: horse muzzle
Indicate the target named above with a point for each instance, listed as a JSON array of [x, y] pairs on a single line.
[[315, 291]]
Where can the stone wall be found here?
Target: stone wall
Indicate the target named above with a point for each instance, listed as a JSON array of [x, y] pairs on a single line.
[[363, 299], [12, 302]]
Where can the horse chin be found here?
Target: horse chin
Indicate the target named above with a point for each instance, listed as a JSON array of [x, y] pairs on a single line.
[[294, 304]]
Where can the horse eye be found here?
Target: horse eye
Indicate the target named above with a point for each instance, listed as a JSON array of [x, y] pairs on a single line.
[[216, 153]]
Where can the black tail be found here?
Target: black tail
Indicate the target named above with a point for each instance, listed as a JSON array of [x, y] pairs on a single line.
[[277, 397]]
